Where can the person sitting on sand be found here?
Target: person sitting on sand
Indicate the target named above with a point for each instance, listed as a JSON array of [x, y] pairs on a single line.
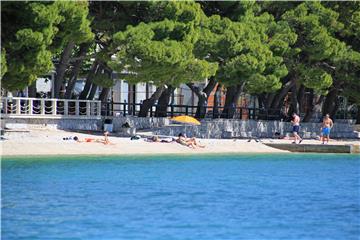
[[106, 138], [189, 142]]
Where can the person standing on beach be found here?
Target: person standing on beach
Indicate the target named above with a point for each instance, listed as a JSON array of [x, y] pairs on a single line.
[[326, 128], [296, 128]]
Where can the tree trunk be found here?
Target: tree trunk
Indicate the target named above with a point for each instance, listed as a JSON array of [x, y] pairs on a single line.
[[330, 102], [203, 96], [75, 72], [300, 97], [92, 91], [84, 93], [310, 108], [278, 100], [232, 96], [262, 101], [163, 102], [148, 103], [294, 100], [358, 115], [32, 90], [335, 108], [316, 103], [201, 105], [104, 94], [230, 93], [131, 98], [217, 101], [94, 86], [269, 99], [61, 68], [103, 97]]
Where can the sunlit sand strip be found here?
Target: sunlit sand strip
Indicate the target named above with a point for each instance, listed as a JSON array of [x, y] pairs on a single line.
[[50, 142]]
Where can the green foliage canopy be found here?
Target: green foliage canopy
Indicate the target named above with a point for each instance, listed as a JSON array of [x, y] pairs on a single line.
[[251, 51], [27, 42], [251, 43], [3, 63], [40, 31], [321, 52], [161, 52], [74, 23]]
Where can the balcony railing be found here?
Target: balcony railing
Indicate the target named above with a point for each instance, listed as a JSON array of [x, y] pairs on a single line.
[[43, 107]]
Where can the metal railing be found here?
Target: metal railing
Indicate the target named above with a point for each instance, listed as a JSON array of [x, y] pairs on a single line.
[[44, 107], [125, 109], [72, 108], [132, 109]]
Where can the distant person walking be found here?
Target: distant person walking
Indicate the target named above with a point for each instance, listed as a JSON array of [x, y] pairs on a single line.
[[326, 127], [296, 128]]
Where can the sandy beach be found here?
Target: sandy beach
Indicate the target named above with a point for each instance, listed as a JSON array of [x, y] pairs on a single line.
[[50, 142]]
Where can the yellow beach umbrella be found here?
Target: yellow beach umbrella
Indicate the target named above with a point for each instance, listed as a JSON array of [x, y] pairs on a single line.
[[185, 119]]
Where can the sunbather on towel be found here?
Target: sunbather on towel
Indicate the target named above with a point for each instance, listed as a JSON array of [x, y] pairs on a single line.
[[104, 141]]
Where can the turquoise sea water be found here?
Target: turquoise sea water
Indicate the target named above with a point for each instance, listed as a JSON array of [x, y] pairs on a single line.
[[194, 197]]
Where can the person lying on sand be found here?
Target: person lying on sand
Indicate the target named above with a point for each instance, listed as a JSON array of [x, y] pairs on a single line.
[[189, 142], [157, 139], [104, 141]]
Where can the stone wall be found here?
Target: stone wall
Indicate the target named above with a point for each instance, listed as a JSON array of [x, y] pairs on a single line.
[[46, 123], [139, 123], [228, 128], [82, 124], [217, 128]]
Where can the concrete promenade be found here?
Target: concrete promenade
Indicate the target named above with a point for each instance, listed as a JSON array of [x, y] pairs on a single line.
[[346, 147]]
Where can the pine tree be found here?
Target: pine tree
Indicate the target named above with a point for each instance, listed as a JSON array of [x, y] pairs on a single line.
[[28, 30], [161, 52]]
